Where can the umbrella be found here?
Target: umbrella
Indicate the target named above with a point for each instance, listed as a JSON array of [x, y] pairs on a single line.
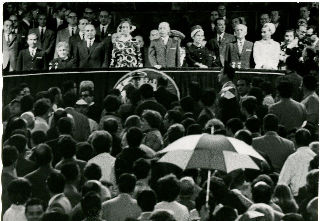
[[210, 152]]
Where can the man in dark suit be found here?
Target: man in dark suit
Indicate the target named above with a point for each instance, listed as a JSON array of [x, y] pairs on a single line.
[[90, 15], [19, 27], [73, 40], [11, 44], [164, 52], [91, 53], [59, 21], [47, 37], [104, 29], [218, 43], [209, 29], [31, 58], [66, 33], [275, 19], [240, 51]]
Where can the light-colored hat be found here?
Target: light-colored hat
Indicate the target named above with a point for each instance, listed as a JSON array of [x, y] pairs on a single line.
[[176, 33], [271, 26], [195, 29]]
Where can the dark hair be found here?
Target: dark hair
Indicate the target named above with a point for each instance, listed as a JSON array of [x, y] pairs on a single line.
[[194, 129], [257, 93], [90, 185], [147, 199], [53, 91], [111, 103], [35, 202], [234, 124], [19, 141], [161, 215], [226, 213], [84, 151], [43, 154], [208, 97], [26, 103], [303, 137], [146, 91], [70, 171], [153, 118], [134, 137], [19, 190], [175, 116], [265, 178], [162, 82], [285, 88], [249, 103], [91, 204], [244, 135], [69, 99], [267, 87], [65, 125], [187, 103], [9, 155], [141, 168], [67, 85], [56, 182], [314, 163], [168, 188], [102, 142], [253, 124], [175, 132], [270, 123], [92, 172], [54, 216], [41, 107], [310, 82], [292, 63], [218, 19], [38, 137], [67, 146], [110, 125], [127, 183], [261, 193], [58, 114], [187, 122], [228, 70], [42, 94]]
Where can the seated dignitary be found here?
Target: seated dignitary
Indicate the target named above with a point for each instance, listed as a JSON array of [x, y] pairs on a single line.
[[32, 58], [197, 54], [266, 52], [66, 33], [63, 61], [164, 52], [239, 52], [91, 53]]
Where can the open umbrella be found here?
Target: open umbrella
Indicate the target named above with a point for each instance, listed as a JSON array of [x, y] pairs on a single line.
[[213, 152]]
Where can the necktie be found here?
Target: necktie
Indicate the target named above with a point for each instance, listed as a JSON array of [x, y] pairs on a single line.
[[219, 40], [72, 31], [102, 32], [33, 52], [163, 42], [89, 43], [41, 33], [82, 36]]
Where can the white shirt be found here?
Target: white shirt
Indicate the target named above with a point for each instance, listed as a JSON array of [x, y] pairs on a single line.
[[40, 124], [179, 211], [296, 168], [165, 40], [43, 29], [220, 36], [105, 28], [81, 34], [70, 30], [8, 37], [32, 51], [15, 213], [106, 162], [90, 42], [266, 54]]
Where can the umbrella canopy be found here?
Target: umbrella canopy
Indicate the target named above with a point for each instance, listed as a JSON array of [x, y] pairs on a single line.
[[210, 152]]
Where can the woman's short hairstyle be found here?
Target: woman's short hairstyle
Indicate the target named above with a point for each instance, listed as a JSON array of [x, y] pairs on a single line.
[[271, 27], [168, 188], [19, 190], [63, 44]]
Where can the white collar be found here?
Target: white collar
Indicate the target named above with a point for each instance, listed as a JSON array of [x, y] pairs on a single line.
[[103, 26], [31, 49], [240, 41], [124, 39], [91, 40], [59, 19], [74, 27], [222, 34], [44, 28]]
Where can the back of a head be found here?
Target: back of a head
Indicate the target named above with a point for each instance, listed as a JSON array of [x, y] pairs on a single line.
[[175, 132], [126, 183], [153, 118], [19, 141], [84, 151], [56, 182], [43, 155], [226, 213], [134, 137], [141, 168], [58, 114], [187, 122], [54, 216], [92, 171], [265, 209], [71, 172], [253, 124], [65, 125], [41, 107], [161, 215], [132, 121], [67, 146], [270, 123], [208, 97], [175, 116], [265, 178], [312, 209], [261, 193], [38, 137], [102, 142], [110, 125], [69, 99], [244, 135], [91, 204], [234, 124], [19, 190], [302, 137], [310, 82], [292, 63], [67, 86], [146, 91], [285, 88], [282, 192], [53, 91], [257, 93], [249, 103], [187, 104], [187, 187], [168, 188], [90, 186], [26, 103], [111, 103], [9, 155], [147, 199]]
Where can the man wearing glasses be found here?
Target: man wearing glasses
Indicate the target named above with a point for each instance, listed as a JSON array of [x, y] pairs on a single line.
[[66, 33]]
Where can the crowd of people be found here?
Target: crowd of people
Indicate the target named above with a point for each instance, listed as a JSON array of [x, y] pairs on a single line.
[[66, 157], [53, 38]]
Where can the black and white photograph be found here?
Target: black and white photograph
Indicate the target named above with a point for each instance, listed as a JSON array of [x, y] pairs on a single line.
[[160, 111]]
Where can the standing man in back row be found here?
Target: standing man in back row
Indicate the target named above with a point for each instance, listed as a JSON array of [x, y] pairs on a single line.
[[164, 52]]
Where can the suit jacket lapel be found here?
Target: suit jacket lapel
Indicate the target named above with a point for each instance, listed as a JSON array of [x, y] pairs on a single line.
[[14, 36], [168, 46], [245, 45], [94, 45]]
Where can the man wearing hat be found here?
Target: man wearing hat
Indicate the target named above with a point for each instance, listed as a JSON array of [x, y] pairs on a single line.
[[165, 51]]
